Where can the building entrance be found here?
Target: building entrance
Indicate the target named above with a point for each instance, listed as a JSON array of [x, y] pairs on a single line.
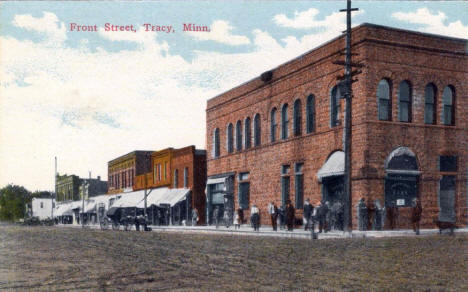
[[402, 177], [333, 189]]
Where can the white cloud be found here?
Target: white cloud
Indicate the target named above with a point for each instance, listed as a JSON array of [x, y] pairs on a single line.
[[433, 23], [88, 107], [307, 19], [220, 31], [49, 25]]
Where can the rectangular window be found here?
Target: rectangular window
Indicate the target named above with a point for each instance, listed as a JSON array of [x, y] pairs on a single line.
[[285, 184], [447, 198], [155, 173], [447, 163], [42, 205], [176, 177], [186, 174], [159, 171], [165, 170], [299, 186], [244, 195], [124, 179]]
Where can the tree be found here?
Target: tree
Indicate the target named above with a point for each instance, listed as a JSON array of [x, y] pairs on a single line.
[[13, 199]]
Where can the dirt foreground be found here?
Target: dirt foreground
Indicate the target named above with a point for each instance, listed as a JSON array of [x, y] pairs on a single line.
[[64, 259]]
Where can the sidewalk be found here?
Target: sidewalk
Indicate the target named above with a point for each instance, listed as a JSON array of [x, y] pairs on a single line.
[[246, 230]]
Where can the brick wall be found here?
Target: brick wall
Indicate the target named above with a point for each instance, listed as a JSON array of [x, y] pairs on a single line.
[[386, 53]]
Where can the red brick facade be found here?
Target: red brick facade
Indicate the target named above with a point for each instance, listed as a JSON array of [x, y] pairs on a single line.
[[386, 53], [178, 168]]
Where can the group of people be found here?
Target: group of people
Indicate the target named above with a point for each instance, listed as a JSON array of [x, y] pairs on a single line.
[[371, 215], [326, 215]]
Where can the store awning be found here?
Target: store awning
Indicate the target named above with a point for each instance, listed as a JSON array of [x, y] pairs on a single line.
[[174, 196], [164, 196], [63, 210], [334, 166], [129, 200]]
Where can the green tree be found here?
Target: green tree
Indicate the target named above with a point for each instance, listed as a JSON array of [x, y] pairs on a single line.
[[12, 202]]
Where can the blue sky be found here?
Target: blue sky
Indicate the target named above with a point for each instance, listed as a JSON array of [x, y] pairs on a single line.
[[88, 97]]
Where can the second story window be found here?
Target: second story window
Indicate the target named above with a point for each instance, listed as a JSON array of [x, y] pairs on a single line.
[[186, 177], [310, 109], [448, 103], [430, 104], [404, 102], [334, 107], [297, 125], [273, 125], [230, 138], [384, 101], [239, 136], [248, 133], [257, 130], [176, 178], [216, 145], [284, 122]]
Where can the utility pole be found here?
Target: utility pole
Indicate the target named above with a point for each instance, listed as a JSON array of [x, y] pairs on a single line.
[[55, 187], [347, 195]]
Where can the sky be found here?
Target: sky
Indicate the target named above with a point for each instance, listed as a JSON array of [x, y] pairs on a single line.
[[87, 97]]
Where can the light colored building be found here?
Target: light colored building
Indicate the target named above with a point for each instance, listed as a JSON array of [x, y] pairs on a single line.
[[42, 207]]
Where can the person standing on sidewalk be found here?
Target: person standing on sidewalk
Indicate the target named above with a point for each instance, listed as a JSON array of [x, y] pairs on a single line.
[[307, 213], [416, 214], [281, 217], [290, 212], [273, 211], [194, 216], [255, 217], [216, 216], [237, 220]]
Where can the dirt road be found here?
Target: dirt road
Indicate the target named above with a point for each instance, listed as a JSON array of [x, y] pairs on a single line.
[[63, 259]]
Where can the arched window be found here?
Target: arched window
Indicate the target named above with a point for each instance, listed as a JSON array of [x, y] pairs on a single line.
[[430, 104], [310, 108], [334, 107], [284, 122], [216, 143], [248, 133], [297, 117], [448, 103], [230, 138], [273, 125], [384, 101], [239, 135], [404, 102], [257, 130]]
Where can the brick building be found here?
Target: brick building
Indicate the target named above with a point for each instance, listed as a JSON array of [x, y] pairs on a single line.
[[176, 169], [91, 187], [123, 170], [279, 136], [67, 187]]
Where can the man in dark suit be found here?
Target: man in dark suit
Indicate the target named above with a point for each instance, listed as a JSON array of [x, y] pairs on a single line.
[[308, 208], [290, 215]]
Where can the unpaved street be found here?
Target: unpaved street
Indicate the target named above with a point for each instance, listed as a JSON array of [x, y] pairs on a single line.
[[63, 259]]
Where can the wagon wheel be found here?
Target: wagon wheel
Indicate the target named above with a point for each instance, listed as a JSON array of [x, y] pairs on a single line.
[[115, 226]]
